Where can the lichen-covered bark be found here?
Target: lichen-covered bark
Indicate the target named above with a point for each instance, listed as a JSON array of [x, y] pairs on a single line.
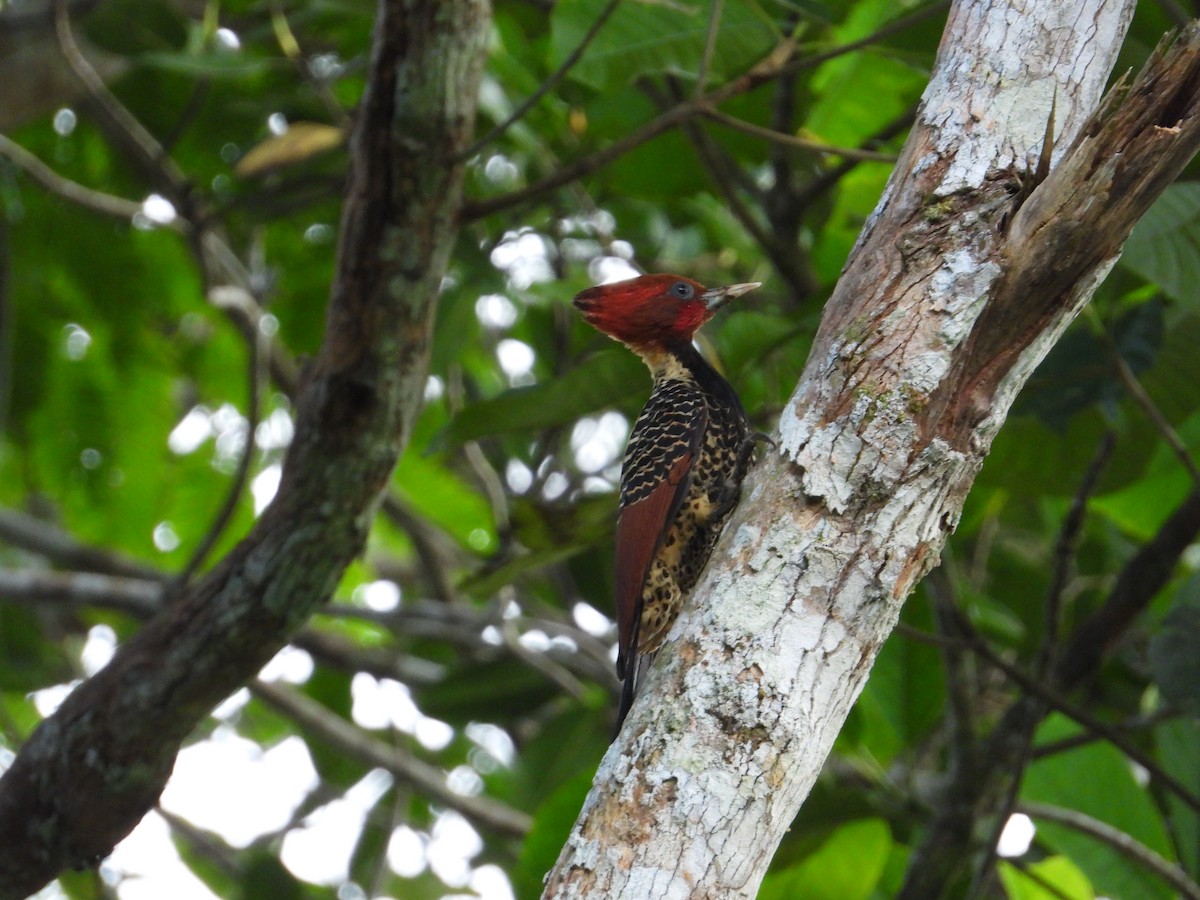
[[959, 285], [90, 772]]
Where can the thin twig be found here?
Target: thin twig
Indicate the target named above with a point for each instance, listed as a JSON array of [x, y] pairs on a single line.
[[290, 46], [216, 258], [256, 353], [55, 545], [1056, 701], [555, 77], [1053, 890], [425, 541], [204, 844], [586, 165], [86, 197], [139, 597], [350, 740], [1175, 12], [1064, 553], [487, 476], [799, 143], [730, 181], [710, 45], [462, 625], [959, 683], [1140, 580], [1118, 840], [148, 148], [778, 61], [1155, 415], [1060, 704], [1135, 723], [896, 26], [554, 671], [809, 192]]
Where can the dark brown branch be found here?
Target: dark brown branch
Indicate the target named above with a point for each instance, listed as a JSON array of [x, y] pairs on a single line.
[[134, 596], [89, 773], [1064, 561], [1140, 580], [143, 598], [1135, 144], [1064, 553], [45, 540], [459, 625]]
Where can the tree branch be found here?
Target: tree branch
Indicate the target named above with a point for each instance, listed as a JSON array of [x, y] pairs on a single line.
[[80, 195], [940, 316], [35, 536], [353, 742], [89, 772]]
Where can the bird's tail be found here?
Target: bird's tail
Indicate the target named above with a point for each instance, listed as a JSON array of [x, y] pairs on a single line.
[[633, 681]]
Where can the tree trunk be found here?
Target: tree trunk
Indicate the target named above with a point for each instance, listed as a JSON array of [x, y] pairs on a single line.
[[961, 282], [90, 772]]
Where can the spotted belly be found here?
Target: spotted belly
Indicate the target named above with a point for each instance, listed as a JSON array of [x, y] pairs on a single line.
[[689, 540]]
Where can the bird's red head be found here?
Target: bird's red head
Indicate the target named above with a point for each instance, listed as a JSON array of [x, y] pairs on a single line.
[[654, 311]]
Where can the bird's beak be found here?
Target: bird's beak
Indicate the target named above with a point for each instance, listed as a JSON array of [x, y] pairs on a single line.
[[717, 297]]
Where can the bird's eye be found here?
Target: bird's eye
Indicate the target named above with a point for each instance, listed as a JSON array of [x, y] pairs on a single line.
[[682, 290]]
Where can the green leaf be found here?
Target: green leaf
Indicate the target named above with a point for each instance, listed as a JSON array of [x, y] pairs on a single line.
[[907, 683], [644, 37], [27, 662], [265, 876], [443, 498], [607, 379], [1176, 370], [1048, 879], [551, 824], [1141, 507], [868, 89], [1078, 373], [847, 866], [1178, 747], [1175, 656], [1070, 779], [215, 64], [1164, 247], [489, 691]]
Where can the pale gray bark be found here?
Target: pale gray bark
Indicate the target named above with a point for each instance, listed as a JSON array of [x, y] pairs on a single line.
[[959, 285]]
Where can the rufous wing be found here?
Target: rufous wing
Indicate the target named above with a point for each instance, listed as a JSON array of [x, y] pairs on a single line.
[[654, 480]]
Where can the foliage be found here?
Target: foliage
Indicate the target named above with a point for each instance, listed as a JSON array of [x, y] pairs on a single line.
[[126, 421]]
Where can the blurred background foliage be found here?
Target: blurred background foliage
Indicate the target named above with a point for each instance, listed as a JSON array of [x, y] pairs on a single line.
[[472, 641]]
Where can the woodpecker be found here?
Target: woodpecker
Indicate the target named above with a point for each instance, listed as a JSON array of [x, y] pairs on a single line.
[[684, 463]]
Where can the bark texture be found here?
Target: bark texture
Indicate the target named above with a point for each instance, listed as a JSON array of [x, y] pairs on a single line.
[[959, 285], [91, 771]]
